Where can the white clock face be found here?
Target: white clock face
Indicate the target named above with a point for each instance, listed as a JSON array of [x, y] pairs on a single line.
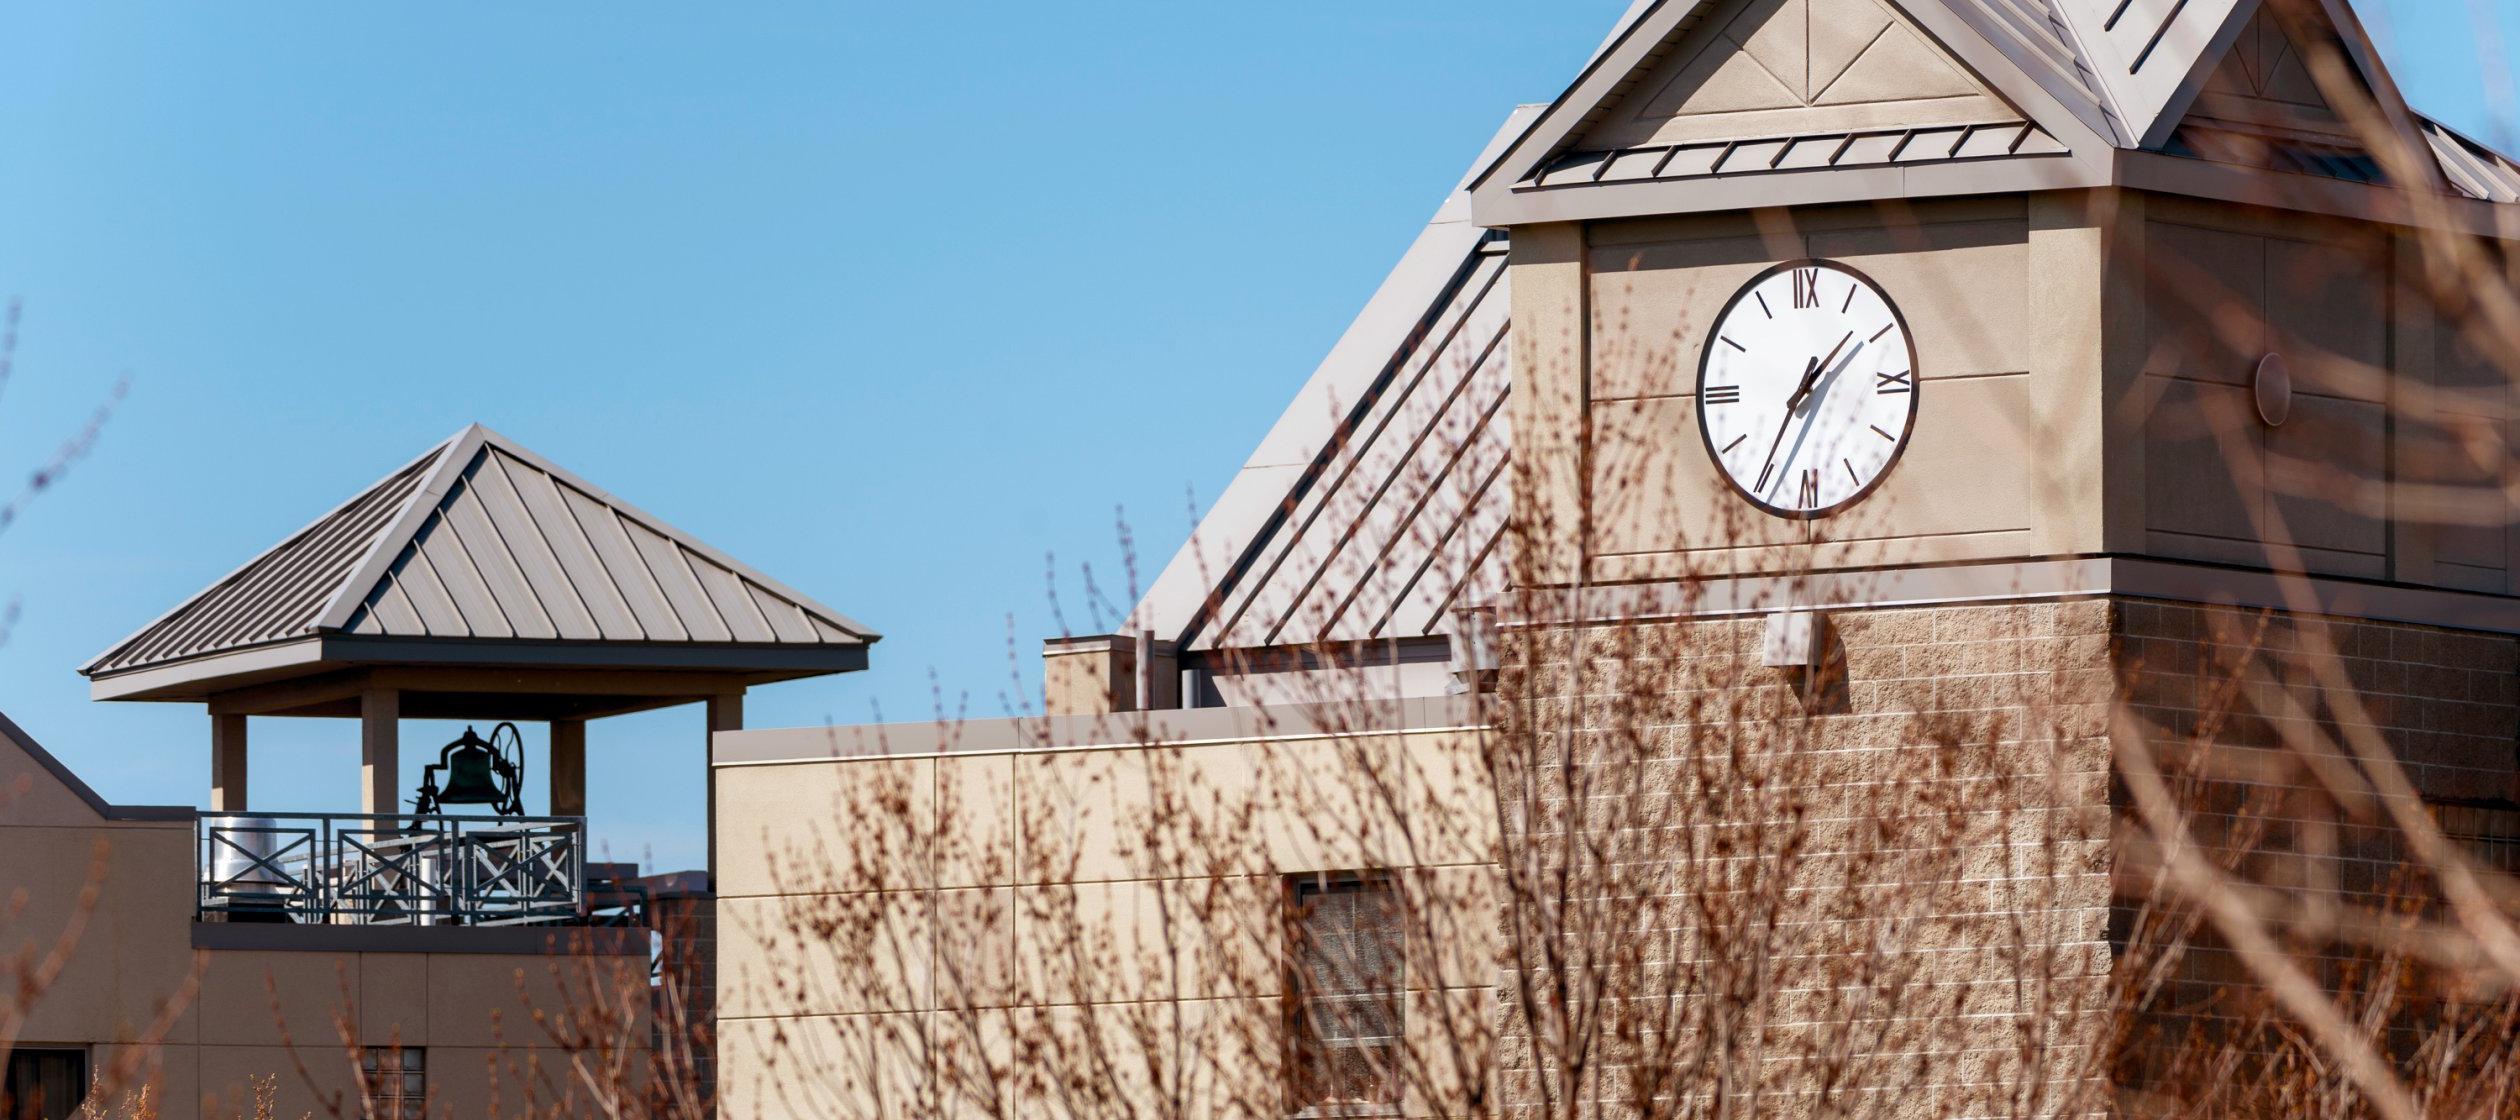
[[1807, 389]]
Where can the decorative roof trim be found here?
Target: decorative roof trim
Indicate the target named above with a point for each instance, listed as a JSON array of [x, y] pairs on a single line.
[[1546, 140]]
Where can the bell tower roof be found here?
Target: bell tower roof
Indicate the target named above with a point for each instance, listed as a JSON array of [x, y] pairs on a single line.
[[481, 570]]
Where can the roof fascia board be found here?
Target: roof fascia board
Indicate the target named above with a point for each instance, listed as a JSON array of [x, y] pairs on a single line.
[[669, 532], [459, 454], [241, 569], [1602, 201], [1563, 115], [2310, 194], [2018, 83], [156, 681], [360, 649]]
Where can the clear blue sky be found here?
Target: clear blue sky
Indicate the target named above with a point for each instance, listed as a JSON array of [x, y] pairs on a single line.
[[891, 301]]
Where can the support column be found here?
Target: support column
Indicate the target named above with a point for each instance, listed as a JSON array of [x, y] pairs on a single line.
[[726, 713], [227, 763], [568, 768], [380, 751]]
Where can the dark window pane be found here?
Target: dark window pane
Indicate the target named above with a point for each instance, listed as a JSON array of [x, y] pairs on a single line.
[[43, 1084]]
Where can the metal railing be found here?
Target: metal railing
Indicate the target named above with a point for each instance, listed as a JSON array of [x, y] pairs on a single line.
[[354, 869]]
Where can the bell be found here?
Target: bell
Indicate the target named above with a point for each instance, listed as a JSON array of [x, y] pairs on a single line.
[[469, 780], [478, 772]]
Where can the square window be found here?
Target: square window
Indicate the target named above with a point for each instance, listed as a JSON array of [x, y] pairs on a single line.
[[397, 1081]]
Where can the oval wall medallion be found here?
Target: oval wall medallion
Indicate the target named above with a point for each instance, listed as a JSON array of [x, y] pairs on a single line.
[[2274, 390]]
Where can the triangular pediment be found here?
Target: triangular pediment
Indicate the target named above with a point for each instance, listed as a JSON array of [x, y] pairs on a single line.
[[1760, 68], [2264, 81]]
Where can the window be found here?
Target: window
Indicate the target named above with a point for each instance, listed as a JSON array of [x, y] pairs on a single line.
[[2488, 830], [397, 1080], [43, 1084], [1345, 1009]]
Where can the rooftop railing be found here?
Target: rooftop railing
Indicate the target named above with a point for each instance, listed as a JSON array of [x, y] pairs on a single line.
[[354, 869]]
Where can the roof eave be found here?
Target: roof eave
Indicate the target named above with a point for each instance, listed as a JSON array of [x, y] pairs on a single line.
[[196, 679], [2163, 173]]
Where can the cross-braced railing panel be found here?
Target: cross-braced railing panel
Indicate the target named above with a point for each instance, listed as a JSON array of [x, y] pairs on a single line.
[[351, 869]]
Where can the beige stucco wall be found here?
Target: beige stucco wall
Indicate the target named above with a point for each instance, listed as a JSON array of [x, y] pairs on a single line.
[[2003, 296], [132, 957], [1021, 857], [2087, 360], [2385, 392]]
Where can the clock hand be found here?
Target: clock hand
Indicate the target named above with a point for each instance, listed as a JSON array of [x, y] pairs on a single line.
[[1812, 375], [1809, 372]]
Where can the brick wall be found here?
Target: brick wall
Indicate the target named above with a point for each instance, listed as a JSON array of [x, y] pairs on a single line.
[[1884, 883], [2252, 716], [1927, 822]]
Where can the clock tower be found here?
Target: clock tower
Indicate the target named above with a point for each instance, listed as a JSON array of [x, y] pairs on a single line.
[[2130, 348]]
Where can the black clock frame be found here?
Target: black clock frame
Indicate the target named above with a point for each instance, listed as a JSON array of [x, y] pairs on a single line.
[[1915, 391]]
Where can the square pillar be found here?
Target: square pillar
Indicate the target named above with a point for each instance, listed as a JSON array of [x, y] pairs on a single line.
[[568, 768], [227, 763], [726, 713], [380, 751]]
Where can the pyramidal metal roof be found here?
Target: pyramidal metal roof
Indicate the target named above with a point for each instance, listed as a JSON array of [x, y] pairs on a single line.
[[480, 540]]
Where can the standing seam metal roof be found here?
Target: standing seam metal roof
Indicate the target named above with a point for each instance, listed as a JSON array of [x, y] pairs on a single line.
[[1403, 516], [481, 538]]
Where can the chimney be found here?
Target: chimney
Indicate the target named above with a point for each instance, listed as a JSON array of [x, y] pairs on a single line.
[[1109, 673]]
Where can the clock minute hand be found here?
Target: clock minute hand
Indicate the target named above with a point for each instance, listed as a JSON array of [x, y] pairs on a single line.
[[1811, 377], [1809, 372]]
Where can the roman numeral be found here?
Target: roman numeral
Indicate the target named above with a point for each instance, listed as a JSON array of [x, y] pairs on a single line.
[[1723, 394], [1887, 383], [1806, 288], [1810, 489]]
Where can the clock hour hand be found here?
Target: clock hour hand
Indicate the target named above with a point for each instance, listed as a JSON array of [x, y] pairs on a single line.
[[1811, 377]]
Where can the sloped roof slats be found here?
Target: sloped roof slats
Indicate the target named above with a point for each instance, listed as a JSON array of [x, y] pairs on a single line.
[[225, 614], [468, 589], [1414, 492], [478, 539], [1311, 540], [472, 531], [419, 581], [1431, 527], [529, 547], [622, 561], [681, 585], [1386, 465], [575, 556]]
